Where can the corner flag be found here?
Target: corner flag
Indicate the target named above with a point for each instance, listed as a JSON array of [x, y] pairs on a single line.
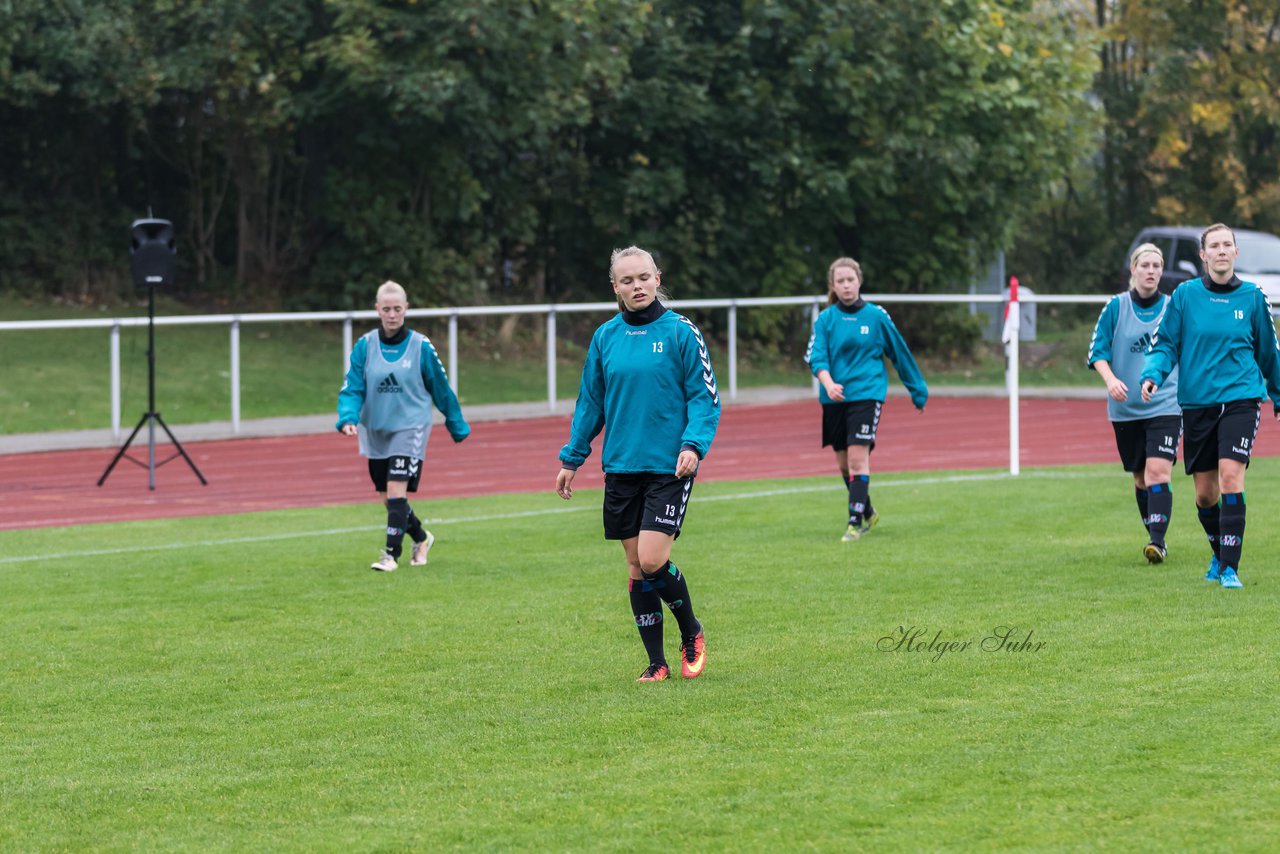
[[1012, 313]]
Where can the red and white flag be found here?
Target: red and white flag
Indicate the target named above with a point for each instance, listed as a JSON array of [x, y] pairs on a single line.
[[1012, 313]]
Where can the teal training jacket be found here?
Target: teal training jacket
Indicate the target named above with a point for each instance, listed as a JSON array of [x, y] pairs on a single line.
[[1223, 342], [852, 342], [652, 384]]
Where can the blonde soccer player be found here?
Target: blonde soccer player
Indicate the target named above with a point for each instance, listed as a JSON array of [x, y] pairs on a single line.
[[394, 377], [648, 379]]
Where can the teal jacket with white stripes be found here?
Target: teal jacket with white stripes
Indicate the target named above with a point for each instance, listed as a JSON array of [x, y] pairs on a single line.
[[648, 377], [851, 342], [1223, 342]]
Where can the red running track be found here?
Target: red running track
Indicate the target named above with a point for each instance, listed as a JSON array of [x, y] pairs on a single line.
[[754, 442]]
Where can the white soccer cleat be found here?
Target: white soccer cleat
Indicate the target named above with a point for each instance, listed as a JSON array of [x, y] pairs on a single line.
[[386, 563], [419, 555]]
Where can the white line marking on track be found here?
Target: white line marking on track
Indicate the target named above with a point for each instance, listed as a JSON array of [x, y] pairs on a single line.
[[495, 517]]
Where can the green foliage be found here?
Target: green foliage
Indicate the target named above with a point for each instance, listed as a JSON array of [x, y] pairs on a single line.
[[489, 151], [1069, 243], [67, 75], [941, 330], [1191, 135], [907, 136], [1210, 110]]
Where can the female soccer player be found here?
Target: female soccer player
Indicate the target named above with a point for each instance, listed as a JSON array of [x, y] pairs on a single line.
[[1218, 333], [648, 377], [394, 377], [1146, 433], [846, 353]]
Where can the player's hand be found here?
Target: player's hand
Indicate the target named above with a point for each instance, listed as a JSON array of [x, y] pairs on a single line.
[[1148, 389], [686, 463], [348, 429], [564, 483], [1118, 390], [835, 391]]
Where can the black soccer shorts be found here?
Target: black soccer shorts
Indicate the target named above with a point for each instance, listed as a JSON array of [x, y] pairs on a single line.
[[1223, 432], [850, 422], [1138, 441], [644, 502], [395, 468]]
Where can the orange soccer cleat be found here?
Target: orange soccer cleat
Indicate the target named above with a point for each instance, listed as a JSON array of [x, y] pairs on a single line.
[[693, 656], [655, 673]]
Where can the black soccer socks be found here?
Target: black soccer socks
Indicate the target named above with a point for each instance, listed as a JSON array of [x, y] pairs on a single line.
[[671, 587], [647, 608], [1231, 535], [1159, 509], [414, 527], [1143, 509], [1210, 521], [397, 521], [859, 497]]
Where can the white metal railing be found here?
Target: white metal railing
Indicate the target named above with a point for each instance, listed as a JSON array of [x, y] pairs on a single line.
[[550, 311]]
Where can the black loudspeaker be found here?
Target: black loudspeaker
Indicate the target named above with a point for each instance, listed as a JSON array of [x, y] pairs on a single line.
[[152, 253], [151, 259]]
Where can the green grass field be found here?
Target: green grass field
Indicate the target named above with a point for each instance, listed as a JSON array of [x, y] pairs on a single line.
[[246, 683]]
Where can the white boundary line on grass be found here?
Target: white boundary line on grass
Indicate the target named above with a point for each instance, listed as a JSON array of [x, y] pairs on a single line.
[[494, 517]]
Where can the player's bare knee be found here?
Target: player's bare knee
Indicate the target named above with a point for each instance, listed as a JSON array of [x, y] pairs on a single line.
[[651, 565], [1231, 476]]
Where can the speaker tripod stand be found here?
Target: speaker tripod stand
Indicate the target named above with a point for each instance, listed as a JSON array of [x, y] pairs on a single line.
[[151, 418]]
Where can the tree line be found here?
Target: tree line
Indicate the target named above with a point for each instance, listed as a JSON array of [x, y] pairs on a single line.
[[1187, 101], [496, 150]]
